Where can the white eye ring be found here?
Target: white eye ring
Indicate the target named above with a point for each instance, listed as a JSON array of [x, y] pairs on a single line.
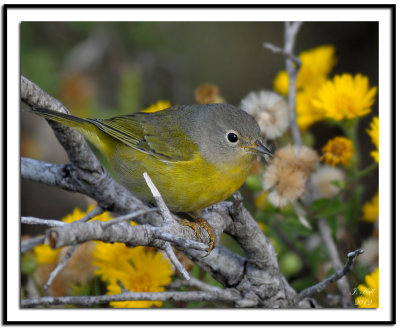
[[232, 137]]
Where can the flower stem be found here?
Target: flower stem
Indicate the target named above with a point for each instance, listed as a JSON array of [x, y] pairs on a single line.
[[354, 203], [367, 171]]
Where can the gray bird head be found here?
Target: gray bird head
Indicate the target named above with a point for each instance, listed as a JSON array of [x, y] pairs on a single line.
[[226, 133]]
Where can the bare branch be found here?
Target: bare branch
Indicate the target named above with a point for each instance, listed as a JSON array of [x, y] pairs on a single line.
[[39, 221], [193, 283], [91, 214], [28, 244], [60, 266], [33, 95], [343, 284], [226, 295], [351, 256], [180, 242], [127, 217], [281, 51], [143, 235], [165, 213], [259, 250], [174, 260], [291, 30]]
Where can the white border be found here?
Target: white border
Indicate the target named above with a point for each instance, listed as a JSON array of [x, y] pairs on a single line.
[[16, 16]]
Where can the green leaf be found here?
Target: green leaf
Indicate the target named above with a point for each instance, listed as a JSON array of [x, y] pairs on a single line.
[[327, 207]]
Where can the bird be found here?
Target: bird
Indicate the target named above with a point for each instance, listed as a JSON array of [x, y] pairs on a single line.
[[196, 155]]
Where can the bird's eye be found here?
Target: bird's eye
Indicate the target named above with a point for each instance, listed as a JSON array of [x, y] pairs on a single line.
[[232, 137]]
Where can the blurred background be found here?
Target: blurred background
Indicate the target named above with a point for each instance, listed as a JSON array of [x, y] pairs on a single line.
[[106, 69]]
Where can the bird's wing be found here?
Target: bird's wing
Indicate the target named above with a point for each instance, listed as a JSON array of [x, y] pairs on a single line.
[[151, 134]]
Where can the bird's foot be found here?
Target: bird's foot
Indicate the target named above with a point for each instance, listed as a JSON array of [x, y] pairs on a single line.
[[201, 223]]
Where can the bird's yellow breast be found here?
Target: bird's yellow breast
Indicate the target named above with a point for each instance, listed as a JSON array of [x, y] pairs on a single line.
[[185, 185]]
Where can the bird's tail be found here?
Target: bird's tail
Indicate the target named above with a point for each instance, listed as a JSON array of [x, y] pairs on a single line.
[[84, 126]]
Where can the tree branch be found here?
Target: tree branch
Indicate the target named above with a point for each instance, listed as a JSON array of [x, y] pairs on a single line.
[[343, 284], [39, 221], [193, 283], [291, 30], [60, 266], [351, 256], [28, 244], [226, 295]]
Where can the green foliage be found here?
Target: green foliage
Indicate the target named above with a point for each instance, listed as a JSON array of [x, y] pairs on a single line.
[[29, 263]]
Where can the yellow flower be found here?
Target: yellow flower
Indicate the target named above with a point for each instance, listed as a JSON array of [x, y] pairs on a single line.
[[369, 293], [371, 209], [307, 113], [316, 64], [45, 255], [338, 150], [345, 97], [139, 269], [374, 134], [159, 106], [281, 83]]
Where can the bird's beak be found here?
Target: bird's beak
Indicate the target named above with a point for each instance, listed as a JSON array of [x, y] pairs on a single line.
[[259, 147]]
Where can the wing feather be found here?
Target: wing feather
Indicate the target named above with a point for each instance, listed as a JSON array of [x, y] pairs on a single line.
[[150, 133]]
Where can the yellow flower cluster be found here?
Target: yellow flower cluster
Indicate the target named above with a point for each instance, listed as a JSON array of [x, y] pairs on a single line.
[[138, 269], [373, 132], [317, 63], [317, 98], [370, 292], [338, 150]]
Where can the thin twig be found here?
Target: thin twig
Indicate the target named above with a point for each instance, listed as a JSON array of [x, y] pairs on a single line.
[[91, 214], [351, 256], [127, 217], [174, 260], [27, 245], [181, 243], [165, 213], [60, 266], [281, 51], [226, 295], [193, 283], [291, 30], [343, 285], [39, 221]]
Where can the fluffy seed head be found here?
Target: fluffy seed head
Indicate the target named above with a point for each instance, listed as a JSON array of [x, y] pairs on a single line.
[[270, 110]]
